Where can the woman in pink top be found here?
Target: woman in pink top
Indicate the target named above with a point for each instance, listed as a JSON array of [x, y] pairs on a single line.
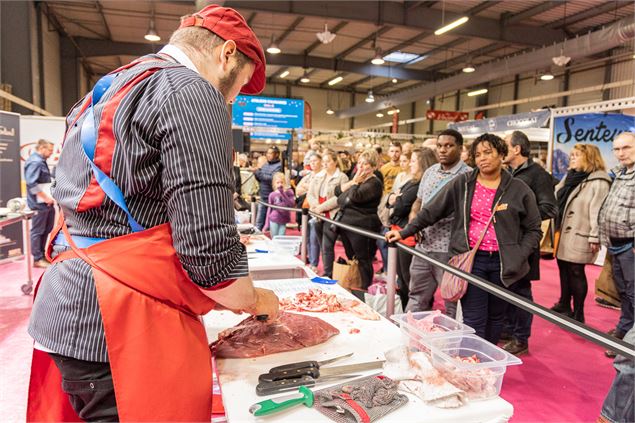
[[502, 257]]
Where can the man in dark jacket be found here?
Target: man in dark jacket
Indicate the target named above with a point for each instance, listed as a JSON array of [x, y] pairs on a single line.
[[264, 175], [518, 321], [38, 183]]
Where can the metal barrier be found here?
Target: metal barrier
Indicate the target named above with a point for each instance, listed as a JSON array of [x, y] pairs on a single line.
[[566, 323]]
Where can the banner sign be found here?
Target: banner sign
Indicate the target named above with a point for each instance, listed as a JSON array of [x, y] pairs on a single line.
[[598, 129], [446, 115], [11, 235], [515, 122]]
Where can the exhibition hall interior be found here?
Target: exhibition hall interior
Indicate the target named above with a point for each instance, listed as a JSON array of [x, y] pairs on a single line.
[[349, 211]]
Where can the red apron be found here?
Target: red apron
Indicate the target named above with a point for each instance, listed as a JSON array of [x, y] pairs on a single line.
[[157, 346], [158, 351]]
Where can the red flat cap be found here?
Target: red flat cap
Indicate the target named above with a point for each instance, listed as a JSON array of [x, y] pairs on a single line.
[[230, 25]]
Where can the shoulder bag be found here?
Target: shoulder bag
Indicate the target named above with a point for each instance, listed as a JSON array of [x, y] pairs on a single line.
[[454, 287]]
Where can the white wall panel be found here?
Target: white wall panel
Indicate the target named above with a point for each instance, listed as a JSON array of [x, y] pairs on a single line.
[[51, 69], [586, 79]]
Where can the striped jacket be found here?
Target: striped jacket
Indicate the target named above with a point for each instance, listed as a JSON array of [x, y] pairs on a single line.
[[171, 155]]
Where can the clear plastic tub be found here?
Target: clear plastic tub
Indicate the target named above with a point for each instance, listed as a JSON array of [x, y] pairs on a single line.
[[472, 364], [432, 324], [286, 244]]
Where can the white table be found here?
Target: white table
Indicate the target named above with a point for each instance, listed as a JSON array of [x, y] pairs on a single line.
[[267, 265], [238, 377]]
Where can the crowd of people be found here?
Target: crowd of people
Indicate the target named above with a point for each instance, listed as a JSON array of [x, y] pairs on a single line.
[[439, 199]]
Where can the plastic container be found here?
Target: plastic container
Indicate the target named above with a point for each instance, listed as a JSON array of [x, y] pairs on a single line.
[[472, 364], [439, 324], [287, 244]]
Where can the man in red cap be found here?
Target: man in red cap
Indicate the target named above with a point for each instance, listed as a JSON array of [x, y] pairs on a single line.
[[147, 242]]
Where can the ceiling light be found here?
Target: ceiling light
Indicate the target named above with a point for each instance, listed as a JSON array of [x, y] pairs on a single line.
[[469, 68], [378, 59], [477, 92], [392, 111], [451, 25], [335, 80], [305, 78], [394, 80], [547, 76], [329, 111], [152, 34], [273, 47], [326, 36], [284, 74], [380, 115], [370, 98], [404, 57]]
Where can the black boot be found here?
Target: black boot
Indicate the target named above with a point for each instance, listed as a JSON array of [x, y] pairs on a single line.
[[578, 314], [562, 308]]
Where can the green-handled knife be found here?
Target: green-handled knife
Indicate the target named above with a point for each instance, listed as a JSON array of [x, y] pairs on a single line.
[[271, 406]]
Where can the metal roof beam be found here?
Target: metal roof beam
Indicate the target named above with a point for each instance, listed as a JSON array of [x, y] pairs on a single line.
[[532, 11], [587, 14], [289, 30], [94, 47], [397, 14], [363, 41]]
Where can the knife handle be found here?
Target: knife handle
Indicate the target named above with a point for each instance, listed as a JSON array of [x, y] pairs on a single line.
[[291, 373], [293, 366], [270, 388]]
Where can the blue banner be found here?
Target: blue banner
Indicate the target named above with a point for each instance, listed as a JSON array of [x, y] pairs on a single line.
[[598, 129], [515, 122], [269, 112]]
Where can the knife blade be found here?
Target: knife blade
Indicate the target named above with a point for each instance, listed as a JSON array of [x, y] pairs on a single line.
[[315, 372], [284, 385], [303, 364]]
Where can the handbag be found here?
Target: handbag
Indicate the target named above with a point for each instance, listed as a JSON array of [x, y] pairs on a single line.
[[347, 274], [454, 287]]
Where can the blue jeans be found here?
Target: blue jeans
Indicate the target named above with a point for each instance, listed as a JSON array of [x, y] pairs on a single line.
[[277, 228], [482, 311], [41, 226], [619, 403], [261, 216], [314, 244], [624, 282], [383, 249], [518, 322]]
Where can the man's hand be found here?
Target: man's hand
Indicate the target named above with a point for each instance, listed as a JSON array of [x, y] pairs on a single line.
[[393, 236], [266, 303], [595, 247]]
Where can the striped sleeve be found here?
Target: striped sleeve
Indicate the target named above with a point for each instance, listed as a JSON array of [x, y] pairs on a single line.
[[198, 184]]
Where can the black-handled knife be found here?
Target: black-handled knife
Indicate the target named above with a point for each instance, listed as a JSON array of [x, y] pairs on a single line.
[[316, 372], [307, 364], [278, 386]]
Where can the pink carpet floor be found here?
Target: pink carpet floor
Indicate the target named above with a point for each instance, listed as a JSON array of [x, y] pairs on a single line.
[[563, 378]]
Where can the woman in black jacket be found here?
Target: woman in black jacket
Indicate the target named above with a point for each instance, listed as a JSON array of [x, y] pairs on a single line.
[[358, 200], [502, 257], [401, 203]]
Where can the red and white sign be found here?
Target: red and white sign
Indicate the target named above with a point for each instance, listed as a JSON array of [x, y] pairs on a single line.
[[446, 115]]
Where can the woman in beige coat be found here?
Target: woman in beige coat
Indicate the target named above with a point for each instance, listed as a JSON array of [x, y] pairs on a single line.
[[580, 195], [322, 200]]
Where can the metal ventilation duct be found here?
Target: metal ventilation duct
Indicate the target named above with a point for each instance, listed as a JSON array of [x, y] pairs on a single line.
[[586, 45]]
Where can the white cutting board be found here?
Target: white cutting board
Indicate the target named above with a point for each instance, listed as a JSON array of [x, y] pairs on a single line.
[[239, 377]]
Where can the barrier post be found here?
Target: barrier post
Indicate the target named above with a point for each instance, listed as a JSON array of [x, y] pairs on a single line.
[[254, 209], [304, 230], [391, 279]]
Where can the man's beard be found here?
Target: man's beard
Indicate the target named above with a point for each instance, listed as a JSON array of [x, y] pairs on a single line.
[[226, 83]]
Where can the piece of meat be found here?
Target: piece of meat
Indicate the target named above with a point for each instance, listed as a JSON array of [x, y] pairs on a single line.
[[252, 338], [318, 301]]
